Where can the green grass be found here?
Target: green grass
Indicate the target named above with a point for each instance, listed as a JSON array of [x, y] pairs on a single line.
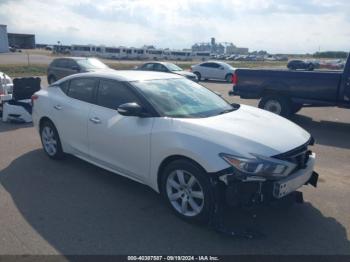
[[40, 70], [23, 70]]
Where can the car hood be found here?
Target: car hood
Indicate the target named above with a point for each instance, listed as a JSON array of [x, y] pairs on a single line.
[[184, 73], [246, 130]]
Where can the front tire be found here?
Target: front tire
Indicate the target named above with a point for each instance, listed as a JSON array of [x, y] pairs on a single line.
[[50, 140], [51, 79], [278, 105], [187, 190]]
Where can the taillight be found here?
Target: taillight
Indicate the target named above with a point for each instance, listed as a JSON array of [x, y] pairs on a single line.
[[190, 69], [33, 98], [235, 79]]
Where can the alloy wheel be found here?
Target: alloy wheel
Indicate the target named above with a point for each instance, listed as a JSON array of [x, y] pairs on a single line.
[[49, 140], [185, 193]]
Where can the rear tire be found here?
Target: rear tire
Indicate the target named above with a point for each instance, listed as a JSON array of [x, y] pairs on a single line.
[[228, 78], [198, 75], [51, 79], [50, 140], [276, 104], [187, 190]]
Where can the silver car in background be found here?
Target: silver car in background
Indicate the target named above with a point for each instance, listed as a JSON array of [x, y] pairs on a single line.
[[167, 67], [213, 70]]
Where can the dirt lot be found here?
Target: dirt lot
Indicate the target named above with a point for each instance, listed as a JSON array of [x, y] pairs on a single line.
[[72, 207]]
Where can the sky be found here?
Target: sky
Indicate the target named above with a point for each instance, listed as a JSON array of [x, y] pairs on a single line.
[[278, 26]]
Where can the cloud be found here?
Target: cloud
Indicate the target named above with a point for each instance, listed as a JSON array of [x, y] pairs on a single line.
[[292, 26]]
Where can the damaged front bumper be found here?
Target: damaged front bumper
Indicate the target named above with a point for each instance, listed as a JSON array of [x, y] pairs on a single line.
[[256, 190], [296, 180]]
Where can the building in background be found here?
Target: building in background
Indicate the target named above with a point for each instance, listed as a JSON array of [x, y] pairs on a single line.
[[212, 47], [4, 43], [232, 49], [21, 41], [219, 48]]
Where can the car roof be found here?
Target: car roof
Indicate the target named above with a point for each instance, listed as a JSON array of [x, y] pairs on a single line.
[[213, 61], [217, 62], [74, 57], [157, 62], [124, 75]]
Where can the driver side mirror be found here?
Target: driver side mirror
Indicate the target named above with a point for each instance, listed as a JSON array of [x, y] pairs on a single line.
[[132, 109]]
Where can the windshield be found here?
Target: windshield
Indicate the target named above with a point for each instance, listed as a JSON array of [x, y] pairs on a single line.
[[173, 67], [182, 98], [91, 63]]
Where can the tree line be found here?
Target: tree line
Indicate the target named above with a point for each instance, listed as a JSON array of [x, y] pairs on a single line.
[[331, 54]]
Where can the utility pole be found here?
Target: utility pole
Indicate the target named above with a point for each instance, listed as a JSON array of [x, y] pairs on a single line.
[[28, 61]]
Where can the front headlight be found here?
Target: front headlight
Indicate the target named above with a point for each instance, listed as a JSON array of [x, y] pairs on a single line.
[[259, 165]]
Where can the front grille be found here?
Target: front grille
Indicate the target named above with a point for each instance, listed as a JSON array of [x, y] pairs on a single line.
[[299, 156]]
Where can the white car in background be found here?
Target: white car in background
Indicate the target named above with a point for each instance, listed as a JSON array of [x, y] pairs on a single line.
[[213, 70], [175, 136], [6, 87]]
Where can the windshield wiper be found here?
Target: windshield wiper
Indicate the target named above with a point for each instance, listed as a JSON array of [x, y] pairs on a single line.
[[234, 108], [227, 111]]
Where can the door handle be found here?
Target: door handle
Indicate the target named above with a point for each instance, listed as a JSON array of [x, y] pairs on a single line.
[[58, 107], [95, 120]]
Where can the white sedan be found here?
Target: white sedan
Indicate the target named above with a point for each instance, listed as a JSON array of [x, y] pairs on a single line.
[[213, 70], [175, 136]]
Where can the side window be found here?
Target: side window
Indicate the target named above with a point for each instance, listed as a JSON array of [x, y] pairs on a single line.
[[160, 68], [71, 64], [205, 65], [148, 66], [112, 94], [213, 65], [82, 89], [64, 86], [61, 63]]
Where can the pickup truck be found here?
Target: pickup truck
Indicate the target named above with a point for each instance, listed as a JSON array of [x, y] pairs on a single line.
[[286, 92]]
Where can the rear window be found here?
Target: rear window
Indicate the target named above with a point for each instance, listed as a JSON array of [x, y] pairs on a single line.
[[91, 63], [82, 89], [59, 63]]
